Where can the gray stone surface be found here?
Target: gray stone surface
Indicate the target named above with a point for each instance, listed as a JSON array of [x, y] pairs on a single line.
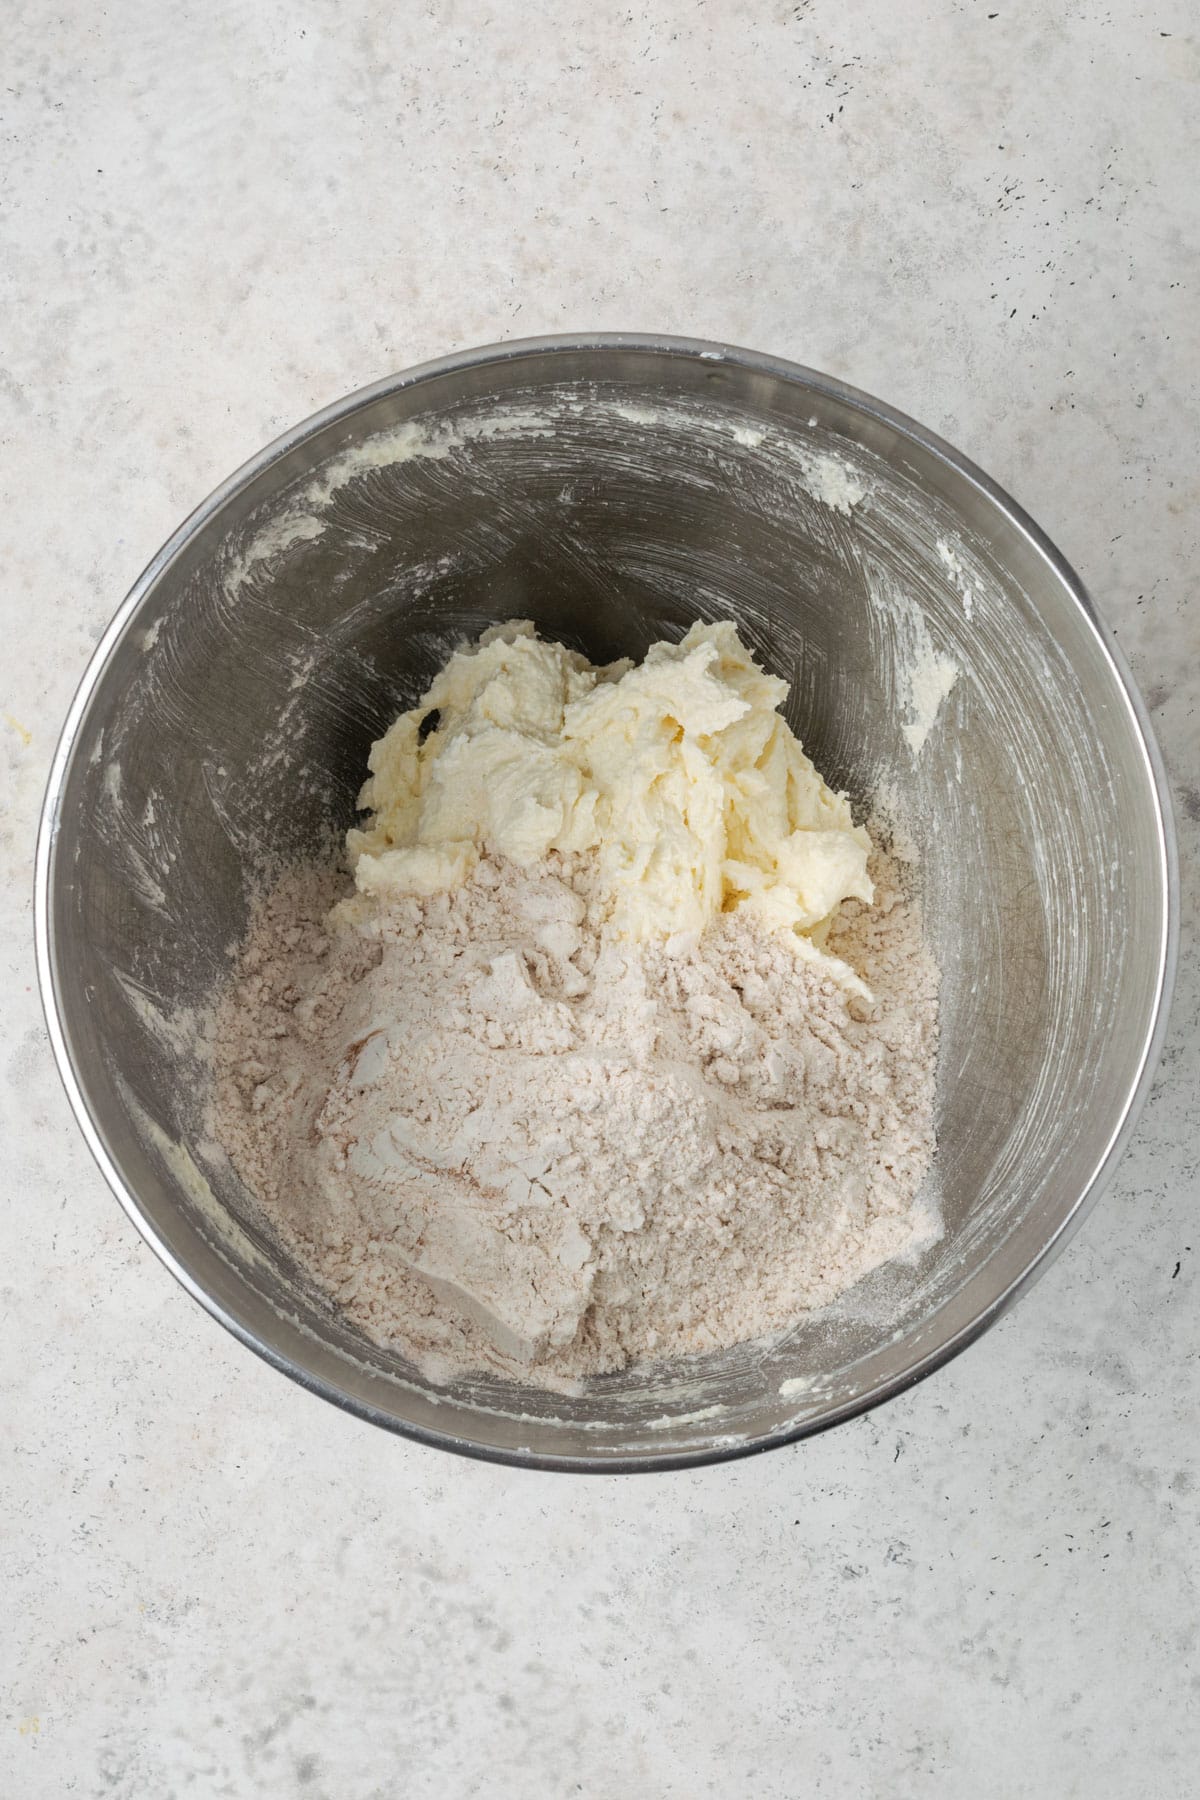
[[213, 220]]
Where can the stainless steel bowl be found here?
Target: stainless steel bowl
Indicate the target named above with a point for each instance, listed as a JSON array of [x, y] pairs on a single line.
[[614, 489]]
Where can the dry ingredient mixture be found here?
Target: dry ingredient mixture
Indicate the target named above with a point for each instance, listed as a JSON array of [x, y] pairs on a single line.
[[623, 1046]]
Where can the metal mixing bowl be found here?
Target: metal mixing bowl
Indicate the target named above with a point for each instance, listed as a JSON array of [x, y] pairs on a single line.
[[614, 489]]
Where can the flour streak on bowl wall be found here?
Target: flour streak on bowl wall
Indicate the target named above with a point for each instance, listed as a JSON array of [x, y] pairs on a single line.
[[941, 657]]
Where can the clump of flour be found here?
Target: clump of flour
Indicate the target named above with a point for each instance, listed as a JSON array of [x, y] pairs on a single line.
[[498, 1136]]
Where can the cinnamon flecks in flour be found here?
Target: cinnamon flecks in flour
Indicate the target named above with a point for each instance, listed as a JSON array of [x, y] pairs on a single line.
[[499, 1135]]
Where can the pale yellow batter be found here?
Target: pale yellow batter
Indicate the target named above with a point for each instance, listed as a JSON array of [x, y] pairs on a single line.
[[678, 773]]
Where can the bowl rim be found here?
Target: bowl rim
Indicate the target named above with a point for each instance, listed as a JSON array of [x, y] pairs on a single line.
[[698, 349]]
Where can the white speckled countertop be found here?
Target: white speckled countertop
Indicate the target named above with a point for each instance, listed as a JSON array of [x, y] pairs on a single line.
[[212, 221]]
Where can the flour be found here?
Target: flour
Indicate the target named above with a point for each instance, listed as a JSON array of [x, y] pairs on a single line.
[[498, 1136]]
